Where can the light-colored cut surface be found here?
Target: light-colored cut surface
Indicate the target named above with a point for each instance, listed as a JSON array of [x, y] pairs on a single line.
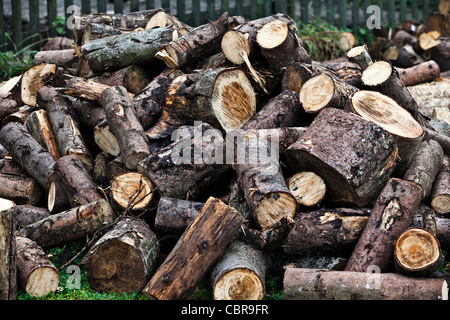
[[132, 189], [272, 34], [308, 188], [239, 284], [274, 207], [316, 92]]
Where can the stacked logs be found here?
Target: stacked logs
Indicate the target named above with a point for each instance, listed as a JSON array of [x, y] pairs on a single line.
[[185, 155]]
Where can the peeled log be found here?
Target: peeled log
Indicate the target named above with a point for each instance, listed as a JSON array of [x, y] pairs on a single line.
[[385, 112], [27, 152], [425, 166], [440, 192], [240, 273], [35, 273], [317, 284], [70, 225], [417, 253], [8, 285], [197, 250], [391, 215], [123, 258], [355, 157], [420, 73], [360, 55]]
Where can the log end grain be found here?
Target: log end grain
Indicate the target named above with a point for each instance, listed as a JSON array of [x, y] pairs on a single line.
[[234, 45], [132, 190], [42, 281], [377, 73], [274, 207], [239, 284], [272, 34], [308, 188]]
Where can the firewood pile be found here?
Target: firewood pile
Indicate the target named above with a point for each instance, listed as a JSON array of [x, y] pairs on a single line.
[[150, 139]]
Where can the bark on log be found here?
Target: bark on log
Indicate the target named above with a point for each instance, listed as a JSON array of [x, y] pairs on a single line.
[[360, 55], [35, 273], [440, 192], [385, 112], [122, 50], [424, 166], [240, 273], [66, 129], [423, 72], [27, 152], [8, 285], [326, 232], [27, 214], [316, 284], [188, 166], [21, 190], [325, 91], [70, 225], [441, 54], [125, 126], [444, 140], [132, 191], [295, 76], [340, 148], [198, 249], [223, 98], [392, 214], [123, 258], [10, 167], [150, 101], [134, 78], [280, 44], [348, 72], [39, 127], [62, 58], [76, 180], [197, 43], [20, 116], [175, 215], [417, 253]]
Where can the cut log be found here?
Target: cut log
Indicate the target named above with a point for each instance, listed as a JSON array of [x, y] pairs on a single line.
[[100, 171], [21, 190], [88, 114], [442, 139], [441, 54], [175, 215], [424, 166], [57, 200], [134, 78], [150, 101], [188, 166], [440, 192], [27, 152], [280, 44], [66, 130], [198, 249], [94, 31], [325, 91], [39, 126], [33, 79], [403, 37], [383, 77], [105, 139], [308, 188], [123, 259], [295, 76], [132, 191], [8, 285], [346, 71], [240, 273], [360, 55], [417, 253], [346, 41], [223, 98], [391, 215], [316, 284], [423, 72], [61, 58], [125, 126], [355, 157], [35, 273], [122, 50], [76, 180], [27, 214], [10, 167], [431, 95], [197, 43], [70, 225], [385, 112], [20, 116], [326, 232]]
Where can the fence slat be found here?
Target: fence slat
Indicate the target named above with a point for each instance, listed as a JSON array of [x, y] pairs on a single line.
[[34, 20], [196, 13], [17, 22], [391, 13], [291, 8], [426, 9], [317, 9], [210, 9], [253, 11], [181, 10], [342, 13], [402, 10], [149, 4], [304, 11], [2, 28], [355, 16], [330, 12], [85, 6], [415, 9], [118, 6], [366, 14], [134, 5], [101, 6], [267, 7], [165, 4]]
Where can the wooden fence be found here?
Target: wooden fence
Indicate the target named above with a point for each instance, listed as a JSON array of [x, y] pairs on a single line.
[[351, 14]]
